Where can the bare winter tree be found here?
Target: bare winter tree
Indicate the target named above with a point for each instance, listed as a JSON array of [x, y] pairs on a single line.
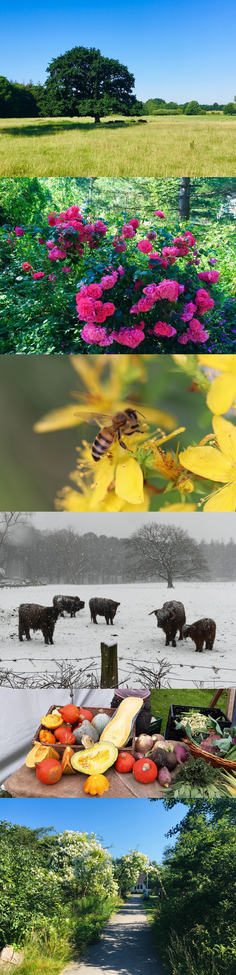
[[165, 552], [8, 522]]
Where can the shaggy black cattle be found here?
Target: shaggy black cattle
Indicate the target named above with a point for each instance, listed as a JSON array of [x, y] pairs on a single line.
[[34, 617], [70, 604], [203, 631], [170, 618], [103, 607]]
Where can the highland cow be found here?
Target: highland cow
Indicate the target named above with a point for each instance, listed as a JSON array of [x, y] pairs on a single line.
[[34, 617], [170, 618], [103, 607], [70, 604], [203, 631]]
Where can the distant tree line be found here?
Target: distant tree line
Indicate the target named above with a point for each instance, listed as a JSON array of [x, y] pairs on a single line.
[[154, 552], [82, 83]]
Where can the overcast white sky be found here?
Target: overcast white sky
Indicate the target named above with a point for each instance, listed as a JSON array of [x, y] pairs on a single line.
[[199, 525]]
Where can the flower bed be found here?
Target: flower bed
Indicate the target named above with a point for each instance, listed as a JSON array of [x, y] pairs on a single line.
[[77, 287]]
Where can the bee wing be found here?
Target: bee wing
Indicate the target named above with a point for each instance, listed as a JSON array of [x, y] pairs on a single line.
[[94, 417]]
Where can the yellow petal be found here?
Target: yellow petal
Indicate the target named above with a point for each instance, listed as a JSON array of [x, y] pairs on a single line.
[[129, 481], [111, 502], [102, 479], [221, 394], [137, 507], [226, 437], [179, 507], [69, 500], [60, 419], [223, 500], [207, 462], [89, 371], [223, 363]]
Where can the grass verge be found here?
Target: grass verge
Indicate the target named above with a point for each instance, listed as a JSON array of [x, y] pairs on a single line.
[[162, 699]]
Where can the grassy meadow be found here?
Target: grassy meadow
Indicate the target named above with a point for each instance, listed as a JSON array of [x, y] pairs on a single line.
[[165, 146]]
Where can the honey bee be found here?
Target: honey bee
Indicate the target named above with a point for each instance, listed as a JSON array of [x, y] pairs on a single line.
[[124, 423]]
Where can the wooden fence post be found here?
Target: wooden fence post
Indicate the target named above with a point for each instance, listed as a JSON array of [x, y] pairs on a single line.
[[109, 666]]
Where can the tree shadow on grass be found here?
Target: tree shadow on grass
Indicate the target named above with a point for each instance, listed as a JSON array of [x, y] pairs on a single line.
[[51, 128]]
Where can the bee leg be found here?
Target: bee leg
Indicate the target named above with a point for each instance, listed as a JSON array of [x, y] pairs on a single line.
[[124, 446]]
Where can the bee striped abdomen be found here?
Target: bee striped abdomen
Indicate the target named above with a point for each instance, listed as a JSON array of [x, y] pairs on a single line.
[[100, 445]]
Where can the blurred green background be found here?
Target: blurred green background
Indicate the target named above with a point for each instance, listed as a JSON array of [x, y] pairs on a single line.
[[35, 466]]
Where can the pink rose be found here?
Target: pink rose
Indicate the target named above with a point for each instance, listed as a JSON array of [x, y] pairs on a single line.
[[145, 304], [94, 291], [211, 277], [189, 310], [161, 328], [26, 266], [158, 213], [85, 307], [128, 232], [168, 289], [19, 232], [109, 308], [52, 219], [129, 336], [38, 274], [134, 224], [97, 336], [52, 277], [191, 240], [109, 280], [121, 270], [203, 301], [66, 270], [145, 246]]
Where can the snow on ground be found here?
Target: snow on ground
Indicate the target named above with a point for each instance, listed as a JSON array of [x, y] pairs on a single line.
[[139, 640]]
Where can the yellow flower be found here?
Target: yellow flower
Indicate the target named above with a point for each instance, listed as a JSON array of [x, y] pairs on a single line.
[[216, 463], [222, 392], [106, 383], [114, 483]]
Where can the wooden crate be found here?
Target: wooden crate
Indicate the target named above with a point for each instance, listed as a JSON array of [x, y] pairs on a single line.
[[130, 748]]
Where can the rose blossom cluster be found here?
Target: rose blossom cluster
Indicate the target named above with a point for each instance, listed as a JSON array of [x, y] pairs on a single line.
[[73, 232]]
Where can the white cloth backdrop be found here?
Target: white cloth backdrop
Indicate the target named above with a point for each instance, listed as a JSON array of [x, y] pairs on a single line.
[[20, 713]]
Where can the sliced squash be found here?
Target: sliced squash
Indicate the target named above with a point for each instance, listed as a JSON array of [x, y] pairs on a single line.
[[96, 759], [38, 753], [119, 729], [66, 762]]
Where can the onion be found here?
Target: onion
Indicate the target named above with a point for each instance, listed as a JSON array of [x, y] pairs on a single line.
[[143, 744], [137, 755], [181, 754]]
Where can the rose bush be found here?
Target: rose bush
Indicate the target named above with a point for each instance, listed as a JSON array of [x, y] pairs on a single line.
[[78, 286]]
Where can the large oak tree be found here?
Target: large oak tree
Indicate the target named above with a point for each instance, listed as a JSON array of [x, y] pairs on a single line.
[[82, 82]]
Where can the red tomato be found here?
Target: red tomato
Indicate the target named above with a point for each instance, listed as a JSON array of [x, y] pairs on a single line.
[[124, 762], [49, 771], [145, 770]]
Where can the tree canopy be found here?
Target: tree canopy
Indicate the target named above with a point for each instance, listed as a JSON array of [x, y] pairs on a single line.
[[166, 552], [83, 82]]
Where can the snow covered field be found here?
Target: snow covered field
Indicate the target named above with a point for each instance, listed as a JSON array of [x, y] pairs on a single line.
[[140, 643]]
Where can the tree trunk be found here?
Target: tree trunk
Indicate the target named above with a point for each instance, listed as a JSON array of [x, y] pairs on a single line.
[[169, 581], [96, 118], [184, 194]]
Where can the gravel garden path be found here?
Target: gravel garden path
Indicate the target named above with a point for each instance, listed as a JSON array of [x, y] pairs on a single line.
[[125, 948]]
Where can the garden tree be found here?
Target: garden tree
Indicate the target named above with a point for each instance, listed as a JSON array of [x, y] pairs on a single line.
[[184, 194], [83, 82], [193, 108], [29, 890], [17, 101], [198, 878], [83, 865], [229, 109], [127, 869], [165, 552]]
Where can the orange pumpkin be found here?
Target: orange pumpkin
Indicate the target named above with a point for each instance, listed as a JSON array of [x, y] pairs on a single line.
[[70, 713], [96, 785], [66, 763], [49, 771], [52, 720], [85, 715], [46, 737], [65, 736]]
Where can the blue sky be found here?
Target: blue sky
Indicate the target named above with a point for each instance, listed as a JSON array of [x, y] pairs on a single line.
[[124, 825], [175, 50]]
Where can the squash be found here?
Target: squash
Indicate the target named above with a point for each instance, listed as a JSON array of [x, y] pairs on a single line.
[[53, 720], [100, 721], [85, 729], [119, 729], [96, 785], [66, 763], [95, 760], [38, 754]]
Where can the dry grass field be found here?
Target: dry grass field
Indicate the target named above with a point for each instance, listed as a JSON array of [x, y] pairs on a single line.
[[165, 146]]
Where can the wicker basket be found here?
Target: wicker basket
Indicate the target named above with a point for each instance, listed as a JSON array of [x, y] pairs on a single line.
[[220, 763], [78, 748]]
